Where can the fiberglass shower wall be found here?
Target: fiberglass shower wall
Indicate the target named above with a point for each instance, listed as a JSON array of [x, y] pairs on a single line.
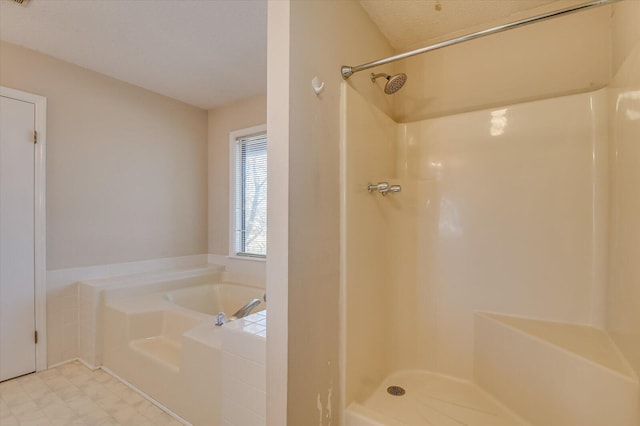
[[503, 202], [496, 213]]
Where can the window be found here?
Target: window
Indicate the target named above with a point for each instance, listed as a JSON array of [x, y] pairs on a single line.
[[248, 192]]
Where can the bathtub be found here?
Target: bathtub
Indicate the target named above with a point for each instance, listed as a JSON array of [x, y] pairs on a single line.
[[162, 339], [211, 299]]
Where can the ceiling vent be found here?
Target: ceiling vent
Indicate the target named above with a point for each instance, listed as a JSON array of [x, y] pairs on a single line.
[[22, 2]]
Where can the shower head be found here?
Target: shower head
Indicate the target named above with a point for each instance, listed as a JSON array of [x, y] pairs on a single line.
[[394, 82]]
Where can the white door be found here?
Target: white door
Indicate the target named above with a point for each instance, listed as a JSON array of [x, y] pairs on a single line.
[[17, 287]]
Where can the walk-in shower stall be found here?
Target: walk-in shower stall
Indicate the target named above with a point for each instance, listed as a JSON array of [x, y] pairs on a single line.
[[492, 286]]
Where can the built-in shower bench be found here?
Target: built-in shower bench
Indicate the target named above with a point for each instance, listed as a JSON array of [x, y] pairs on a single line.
[[554, 373]]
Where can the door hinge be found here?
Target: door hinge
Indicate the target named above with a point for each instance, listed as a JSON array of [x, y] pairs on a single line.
[[35, 136], [35, 336]]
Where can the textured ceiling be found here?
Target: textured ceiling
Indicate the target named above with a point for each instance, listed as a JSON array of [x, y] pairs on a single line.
[[409, 23], [205, 53]]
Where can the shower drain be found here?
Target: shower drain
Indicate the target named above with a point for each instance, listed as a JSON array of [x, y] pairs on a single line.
[[396, 390]]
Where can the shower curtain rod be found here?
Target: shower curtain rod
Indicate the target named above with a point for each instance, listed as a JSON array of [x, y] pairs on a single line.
[[347, 71]]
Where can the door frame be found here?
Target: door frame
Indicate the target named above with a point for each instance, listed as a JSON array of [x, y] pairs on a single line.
[[40, 268]]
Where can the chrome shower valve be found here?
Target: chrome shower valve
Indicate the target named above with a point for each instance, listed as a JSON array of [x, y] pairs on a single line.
[[383, 188]]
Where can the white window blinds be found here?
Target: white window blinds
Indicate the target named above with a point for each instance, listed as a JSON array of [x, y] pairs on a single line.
[[251, 196]]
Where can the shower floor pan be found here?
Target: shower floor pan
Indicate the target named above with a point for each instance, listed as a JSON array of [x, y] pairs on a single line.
[[430, 400]]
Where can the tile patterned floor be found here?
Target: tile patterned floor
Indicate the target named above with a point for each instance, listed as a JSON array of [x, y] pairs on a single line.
[[71, 395]]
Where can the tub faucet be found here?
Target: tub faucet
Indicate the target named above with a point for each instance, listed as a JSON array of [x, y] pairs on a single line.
[[245, 310], [221, 318]]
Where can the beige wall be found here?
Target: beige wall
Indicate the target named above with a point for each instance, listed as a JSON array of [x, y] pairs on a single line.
[[623, 303], [278, 107], [323, 36], [126, 168], [247, 113], [557, 57]]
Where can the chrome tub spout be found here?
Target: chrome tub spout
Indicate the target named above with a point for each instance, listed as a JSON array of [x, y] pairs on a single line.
[[245, 310]]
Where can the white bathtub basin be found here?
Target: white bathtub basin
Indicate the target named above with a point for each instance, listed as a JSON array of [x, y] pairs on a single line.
[[219, 297], [161, 337]]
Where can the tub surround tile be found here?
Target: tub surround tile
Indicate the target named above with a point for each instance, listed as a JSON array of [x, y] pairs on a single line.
[[250, 398], [235, 414], [247, 345], [62, 322], [244, 371]]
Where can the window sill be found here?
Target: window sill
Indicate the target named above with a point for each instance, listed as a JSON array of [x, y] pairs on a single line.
[[249, 258]]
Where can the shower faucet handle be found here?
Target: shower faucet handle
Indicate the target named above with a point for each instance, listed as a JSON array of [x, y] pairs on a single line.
[[381, 187]]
